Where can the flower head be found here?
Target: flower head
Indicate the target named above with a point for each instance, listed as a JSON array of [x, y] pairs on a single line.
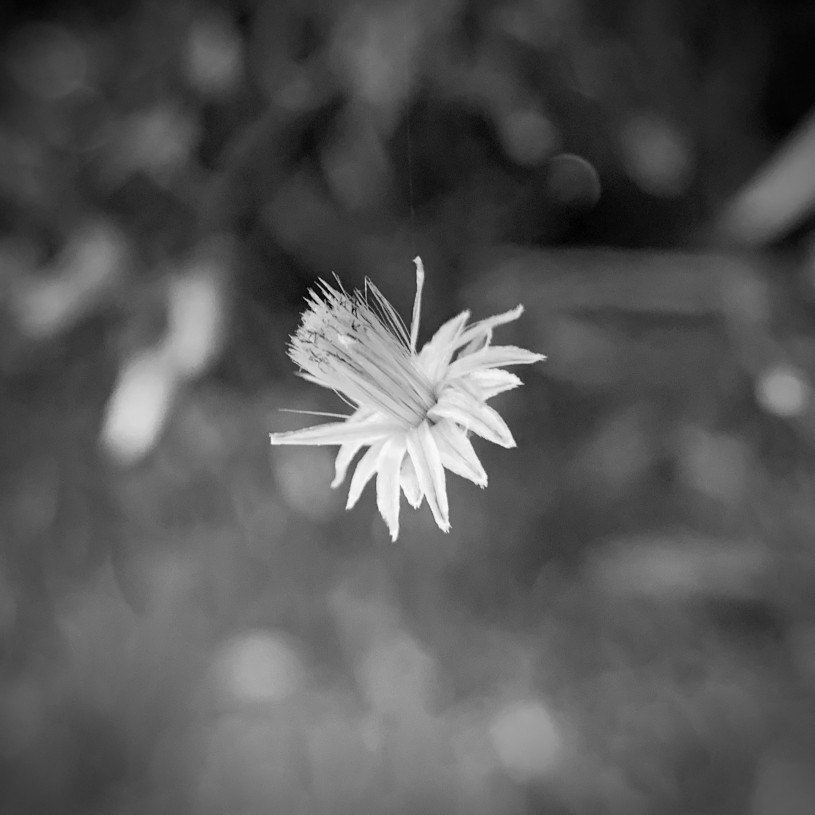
[[414, 411]]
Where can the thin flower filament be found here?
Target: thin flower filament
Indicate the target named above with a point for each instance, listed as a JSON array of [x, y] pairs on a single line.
[[363, 352]]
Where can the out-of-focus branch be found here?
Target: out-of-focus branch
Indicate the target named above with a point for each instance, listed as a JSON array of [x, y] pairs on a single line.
[[779, 197]]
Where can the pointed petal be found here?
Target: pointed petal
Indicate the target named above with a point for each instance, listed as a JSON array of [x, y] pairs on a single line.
[[348, 450], [417, 303], [344, 458], [457, 453], [410, 483], [472, 414], [337, 433], [430, 472], [387, 482], [478, 342], [491, 382], [363, 473], [484, 327], [494, 356], [437, 352]]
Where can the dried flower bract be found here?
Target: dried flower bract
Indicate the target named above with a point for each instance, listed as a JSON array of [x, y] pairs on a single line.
[[414, 411]]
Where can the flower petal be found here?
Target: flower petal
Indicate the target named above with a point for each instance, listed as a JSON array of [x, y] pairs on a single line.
[[337, 433], [490, 382], [417, 304], [494, 356], [476, 344], [344, 458], [483, 328], [348, 450], [457, 453], [437, 352], [410, 483], [430, 472], [472, 414], [387, 482], [364, 472]]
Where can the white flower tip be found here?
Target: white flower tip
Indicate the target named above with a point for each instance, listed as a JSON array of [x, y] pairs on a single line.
[[419, 271], [417, 303]]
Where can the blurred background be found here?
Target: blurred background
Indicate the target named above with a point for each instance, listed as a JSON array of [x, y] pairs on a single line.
[[623, 622]]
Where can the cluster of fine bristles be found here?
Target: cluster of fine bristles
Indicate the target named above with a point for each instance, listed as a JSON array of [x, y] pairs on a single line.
[[358, 345], [413, 410]]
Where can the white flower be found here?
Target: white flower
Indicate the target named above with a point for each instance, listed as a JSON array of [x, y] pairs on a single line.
[[414, 411]]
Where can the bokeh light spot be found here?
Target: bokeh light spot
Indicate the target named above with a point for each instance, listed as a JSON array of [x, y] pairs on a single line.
[[47, 60], [781, 390], [526, 739], [657, 156], [258, 667], [573, 181]]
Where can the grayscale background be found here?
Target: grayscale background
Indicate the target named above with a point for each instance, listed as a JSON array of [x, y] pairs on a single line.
[[622, 623]]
